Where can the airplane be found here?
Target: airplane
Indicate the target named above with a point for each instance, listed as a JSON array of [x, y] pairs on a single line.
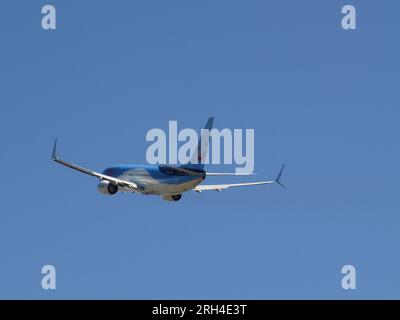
[[168, 182]]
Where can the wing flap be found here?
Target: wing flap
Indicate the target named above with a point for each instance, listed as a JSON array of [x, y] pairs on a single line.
[[220, 187]]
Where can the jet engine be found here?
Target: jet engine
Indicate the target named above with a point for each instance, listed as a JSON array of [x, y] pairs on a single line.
[[172, 197], [108, 188]]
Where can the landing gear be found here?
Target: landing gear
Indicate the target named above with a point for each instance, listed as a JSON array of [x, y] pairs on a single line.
[[176, 197], [171, 197]]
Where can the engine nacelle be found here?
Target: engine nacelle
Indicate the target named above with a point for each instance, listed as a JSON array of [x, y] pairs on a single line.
[[108, 188], [172, 197]]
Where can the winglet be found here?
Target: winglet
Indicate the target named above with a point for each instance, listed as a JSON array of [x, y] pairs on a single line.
[[53, 154], [278, 178]]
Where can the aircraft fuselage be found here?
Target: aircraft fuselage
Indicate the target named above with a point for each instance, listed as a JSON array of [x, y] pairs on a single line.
[[155, 179]]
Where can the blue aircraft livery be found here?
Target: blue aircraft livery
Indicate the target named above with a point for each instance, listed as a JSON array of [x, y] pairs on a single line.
[[166, 181]]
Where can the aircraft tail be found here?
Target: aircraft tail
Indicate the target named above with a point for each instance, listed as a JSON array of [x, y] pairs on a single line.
[[200, 156]]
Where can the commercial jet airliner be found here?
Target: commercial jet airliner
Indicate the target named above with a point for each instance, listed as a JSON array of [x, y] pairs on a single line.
[[167, 181]]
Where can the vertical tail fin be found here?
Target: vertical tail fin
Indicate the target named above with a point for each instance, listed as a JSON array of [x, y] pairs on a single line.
[[199, 157]]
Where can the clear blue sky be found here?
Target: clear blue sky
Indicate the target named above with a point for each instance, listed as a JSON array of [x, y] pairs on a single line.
[[321, 99]]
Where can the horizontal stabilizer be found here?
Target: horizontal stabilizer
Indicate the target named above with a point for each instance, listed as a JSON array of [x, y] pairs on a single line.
[[229, 174]]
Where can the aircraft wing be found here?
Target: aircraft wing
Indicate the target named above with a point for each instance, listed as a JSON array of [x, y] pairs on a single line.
[[220, 187], [119, 182]]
